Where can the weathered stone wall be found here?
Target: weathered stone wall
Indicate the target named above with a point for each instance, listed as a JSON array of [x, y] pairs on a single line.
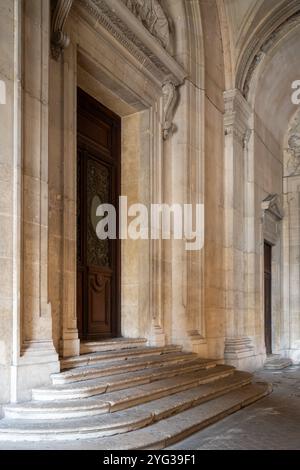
[[8, 149]]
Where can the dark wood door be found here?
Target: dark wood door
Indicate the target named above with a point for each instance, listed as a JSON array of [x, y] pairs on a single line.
[[98, 182], [268, 296]]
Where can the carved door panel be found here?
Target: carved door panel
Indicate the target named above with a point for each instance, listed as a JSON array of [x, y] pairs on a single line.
[[98, 176], [268, 296]]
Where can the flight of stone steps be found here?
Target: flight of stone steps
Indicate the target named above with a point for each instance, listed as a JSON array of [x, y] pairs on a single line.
[[122, 394]]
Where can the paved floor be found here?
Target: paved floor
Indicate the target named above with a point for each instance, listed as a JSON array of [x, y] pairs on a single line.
[[271, 423]]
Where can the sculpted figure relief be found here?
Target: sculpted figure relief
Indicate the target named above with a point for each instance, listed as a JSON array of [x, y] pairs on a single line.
[[151, 14], [292, 162]]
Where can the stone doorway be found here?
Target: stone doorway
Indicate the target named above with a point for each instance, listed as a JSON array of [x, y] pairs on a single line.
[[98, 182], [268, 296]]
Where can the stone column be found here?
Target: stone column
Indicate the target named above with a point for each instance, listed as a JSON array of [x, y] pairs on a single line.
[[238, 347], [37, 358]]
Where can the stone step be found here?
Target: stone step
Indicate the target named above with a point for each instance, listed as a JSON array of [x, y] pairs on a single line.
[[111, 344], [103, 385], [167, 432], [93, 427], [113, 401], [158, 432], [118, 367], [98, 357]]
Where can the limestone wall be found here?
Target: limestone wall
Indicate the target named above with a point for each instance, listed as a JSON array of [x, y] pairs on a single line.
[[8, 148]]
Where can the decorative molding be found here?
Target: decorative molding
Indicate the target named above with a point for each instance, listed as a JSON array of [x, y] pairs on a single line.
[[170, 95], [59, 39], [125, 21], [272, 205], [116, 19], [151, 14]]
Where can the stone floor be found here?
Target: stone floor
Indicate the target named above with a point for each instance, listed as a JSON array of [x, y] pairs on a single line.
[[271, 423]]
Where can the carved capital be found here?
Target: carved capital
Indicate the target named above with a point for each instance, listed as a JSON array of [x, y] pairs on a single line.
[[272, 205], [170, 95], [59, 39], [237, 116], [272, 215]]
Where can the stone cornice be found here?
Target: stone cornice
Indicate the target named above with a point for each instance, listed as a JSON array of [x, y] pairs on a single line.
[[123, 26], [128, 32]]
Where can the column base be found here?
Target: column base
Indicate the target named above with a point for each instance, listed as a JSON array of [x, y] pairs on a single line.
[[69, 347], [37, 362], [239, 352], [293, 354], [157, 337]]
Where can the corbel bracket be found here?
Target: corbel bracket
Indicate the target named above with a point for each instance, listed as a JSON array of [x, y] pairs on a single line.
[[170, 96], [59, 39]]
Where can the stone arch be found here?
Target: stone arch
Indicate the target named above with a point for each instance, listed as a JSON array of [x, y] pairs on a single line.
[[264, 38]]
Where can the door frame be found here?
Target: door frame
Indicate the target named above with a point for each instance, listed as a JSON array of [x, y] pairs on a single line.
[[93, 106], [268, 318]]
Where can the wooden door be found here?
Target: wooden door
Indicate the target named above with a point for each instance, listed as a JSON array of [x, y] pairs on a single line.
[[268, 296], [98, 182]]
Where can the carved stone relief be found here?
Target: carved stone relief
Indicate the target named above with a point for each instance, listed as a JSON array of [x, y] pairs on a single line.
[[292, 150], [153, 17]]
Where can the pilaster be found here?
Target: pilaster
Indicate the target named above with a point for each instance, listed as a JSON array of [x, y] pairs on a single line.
[[238, 347], [35, 357]]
